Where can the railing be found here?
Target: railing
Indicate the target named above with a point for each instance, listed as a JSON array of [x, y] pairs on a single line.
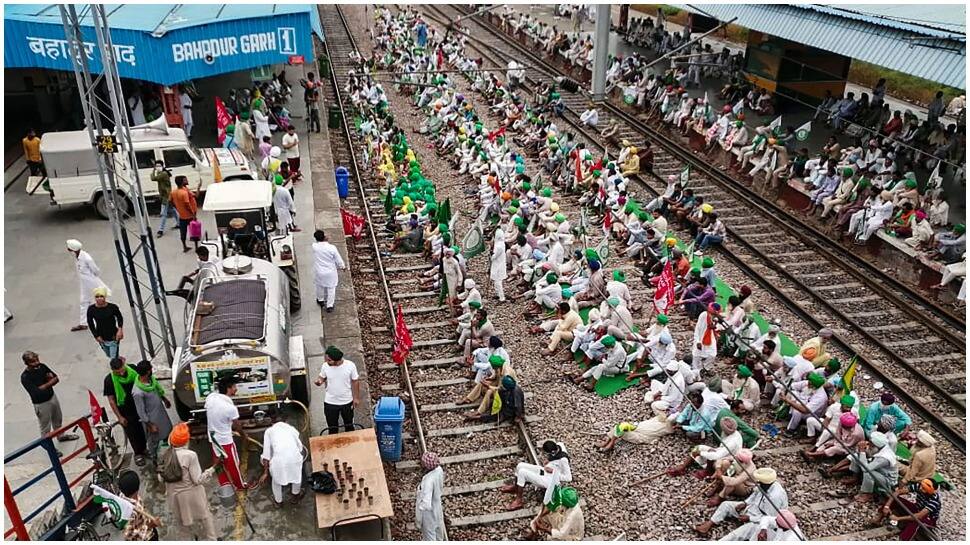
[[17, 520]]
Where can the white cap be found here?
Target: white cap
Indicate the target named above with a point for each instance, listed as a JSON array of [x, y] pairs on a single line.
[[74, 245]]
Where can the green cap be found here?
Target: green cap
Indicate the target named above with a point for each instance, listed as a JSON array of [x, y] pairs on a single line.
[[707, 263], [475, 304], [960, 228], [619, 276], [695, 271], [560, 218], [744, 371], [567, 293], [442, 227], [662, 319], [525, 186], [847, 401], [642, 216], [608, 340], [518, 221], [568, 497], [551, 278], [816, 380], [591, 254], [496, 361], [847, 172], [546, 192], [833, 365], [613, 302]]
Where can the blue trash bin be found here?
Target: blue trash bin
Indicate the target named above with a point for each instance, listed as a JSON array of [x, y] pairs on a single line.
[[389, 420], [343, 181]]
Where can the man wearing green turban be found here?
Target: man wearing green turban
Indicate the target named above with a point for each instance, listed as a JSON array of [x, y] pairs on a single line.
[[743, 391], [561, 519], [806, 398], [614, 363], [841, 420]]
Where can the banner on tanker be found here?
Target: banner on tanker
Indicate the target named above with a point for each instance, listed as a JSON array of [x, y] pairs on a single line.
[[222, 121]]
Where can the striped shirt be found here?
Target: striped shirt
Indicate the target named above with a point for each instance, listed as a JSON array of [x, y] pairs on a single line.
[[930, 502]]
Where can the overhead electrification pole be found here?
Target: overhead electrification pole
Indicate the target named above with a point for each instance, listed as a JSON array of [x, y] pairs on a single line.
[[601, 51], [106, 119]]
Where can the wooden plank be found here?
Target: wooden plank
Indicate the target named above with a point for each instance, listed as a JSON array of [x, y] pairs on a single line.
[[359, 449], [429, 384], [440, 362], [868, 314], [408, 268], [528, 512], [459, 490], [863, 535], [422, 344], [850, 285], [477, 428], [414, 295], [434, 407], [861, 299], [413, 327], [424, 310], [462, 458], [892, 327], [910, 342], [935, 359], [949, 376]]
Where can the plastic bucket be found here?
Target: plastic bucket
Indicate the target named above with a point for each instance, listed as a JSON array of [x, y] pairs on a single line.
[[226, 494]]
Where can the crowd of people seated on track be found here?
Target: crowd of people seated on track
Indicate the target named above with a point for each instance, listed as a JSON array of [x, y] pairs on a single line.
[[855, 190], [523, 172]]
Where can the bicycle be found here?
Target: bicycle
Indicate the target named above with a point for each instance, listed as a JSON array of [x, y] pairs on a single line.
[[110, 458]]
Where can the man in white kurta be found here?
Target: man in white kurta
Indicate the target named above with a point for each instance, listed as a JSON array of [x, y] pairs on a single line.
[[326, 261], [283, 460], [186, 103], [285, 213], [705, 339], [498, 271], [89, 277], [428, 514]]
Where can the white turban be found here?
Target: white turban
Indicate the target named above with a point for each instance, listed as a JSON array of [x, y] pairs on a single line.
[[275, 151], [74, 245], [660, 406], [469, 283]]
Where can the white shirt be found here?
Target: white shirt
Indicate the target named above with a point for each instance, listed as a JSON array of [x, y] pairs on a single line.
[[293, 152], [220, 411], [338, 383]]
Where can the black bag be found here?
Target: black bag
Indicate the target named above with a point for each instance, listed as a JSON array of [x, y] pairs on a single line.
[[169, 468], [323, 482]]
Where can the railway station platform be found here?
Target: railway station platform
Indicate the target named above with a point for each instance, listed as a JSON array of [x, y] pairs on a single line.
[[793, 115], [42, 293]]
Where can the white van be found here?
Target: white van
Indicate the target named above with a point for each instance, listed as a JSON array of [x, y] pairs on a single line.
[[72, 168]]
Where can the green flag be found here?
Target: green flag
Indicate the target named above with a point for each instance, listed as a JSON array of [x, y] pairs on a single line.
[[801, 133], [388, 204], [603, 249], [685, 176], [473, 243]]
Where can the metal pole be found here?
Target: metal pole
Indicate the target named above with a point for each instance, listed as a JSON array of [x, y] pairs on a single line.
[[601, 51], [121, 187]]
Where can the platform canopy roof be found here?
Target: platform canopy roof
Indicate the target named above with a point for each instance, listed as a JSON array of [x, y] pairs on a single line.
[[167, 43], [923, 40]]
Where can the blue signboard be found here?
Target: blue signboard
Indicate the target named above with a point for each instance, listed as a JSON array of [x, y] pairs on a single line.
[[175, 56]]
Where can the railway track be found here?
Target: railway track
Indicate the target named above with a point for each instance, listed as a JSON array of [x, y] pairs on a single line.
[[431, 380], [904, 340]]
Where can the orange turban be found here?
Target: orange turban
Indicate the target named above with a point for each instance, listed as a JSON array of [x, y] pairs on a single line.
[[179, 436]]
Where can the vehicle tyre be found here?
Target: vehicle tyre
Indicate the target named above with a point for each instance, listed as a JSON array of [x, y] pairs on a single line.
[[300, 389], [293, 278], [185, 414], [101, 205]]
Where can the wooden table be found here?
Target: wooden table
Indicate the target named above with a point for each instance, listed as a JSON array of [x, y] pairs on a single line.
[[359, 450]]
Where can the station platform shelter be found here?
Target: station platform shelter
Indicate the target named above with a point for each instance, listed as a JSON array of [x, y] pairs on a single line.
[[160, 49]]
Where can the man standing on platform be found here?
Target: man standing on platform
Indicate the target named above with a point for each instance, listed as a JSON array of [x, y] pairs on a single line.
[[326, 261], [342, 382]]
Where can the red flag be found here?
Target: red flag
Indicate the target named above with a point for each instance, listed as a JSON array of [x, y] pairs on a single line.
[[441, 58], [95, 408], [222, 121], [579, 168], [402, 338], [495, 134], [663, 297], [607, 221], [353, 224]]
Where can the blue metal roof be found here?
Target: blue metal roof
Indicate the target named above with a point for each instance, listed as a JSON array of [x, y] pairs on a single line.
[[170, 43], [160, 18], [920, 48]]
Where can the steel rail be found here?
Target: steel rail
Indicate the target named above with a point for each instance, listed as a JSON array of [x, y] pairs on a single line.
[[405, 367], [862, 270], [952, 435]]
